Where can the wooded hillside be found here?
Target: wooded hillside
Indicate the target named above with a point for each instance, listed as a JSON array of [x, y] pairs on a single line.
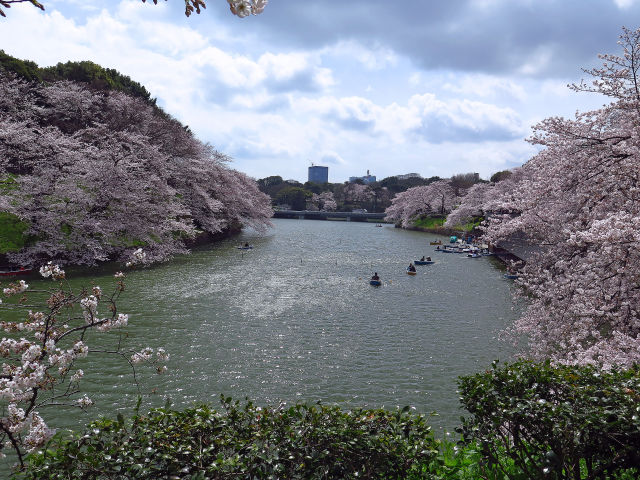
[[89, 172]]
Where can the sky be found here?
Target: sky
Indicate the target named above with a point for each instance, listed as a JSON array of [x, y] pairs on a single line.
[[420, 86]]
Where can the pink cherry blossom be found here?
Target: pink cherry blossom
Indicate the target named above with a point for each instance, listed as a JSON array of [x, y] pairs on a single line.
[[578, 202]]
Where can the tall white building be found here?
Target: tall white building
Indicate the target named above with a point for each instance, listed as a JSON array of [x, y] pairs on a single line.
[[366, 179]]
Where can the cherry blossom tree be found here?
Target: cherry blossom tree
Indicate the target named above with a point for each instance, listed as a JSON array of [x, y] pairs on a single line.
[[41, 349], [472, 205], [484, 199], [436, 198], [579, 201], [357, 194], [324, 201], [98, 174], [241, 8]]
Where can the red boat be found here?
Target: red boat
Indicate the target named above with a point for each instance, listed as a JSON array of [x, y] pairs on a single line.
[[14, 271]]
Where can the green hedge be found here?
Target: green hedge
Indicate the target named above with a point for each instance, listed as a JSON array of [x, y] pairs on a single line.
[[245, 441], [527, 421], [554, 422]]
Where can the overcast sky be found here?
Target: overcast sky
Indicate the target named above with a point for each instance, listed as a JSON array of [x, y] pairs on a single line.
[[426, 86]]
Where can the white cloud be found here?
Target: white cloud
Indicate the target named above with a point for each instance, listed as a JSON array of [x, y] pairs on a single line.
[[537, 62], [624, 4], [275, 105], [485, 86], [372, 58]]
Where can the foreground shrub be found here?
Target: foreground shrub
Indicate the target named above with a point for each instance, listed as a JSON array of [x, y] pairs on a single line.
[[245, 441], [555, 422]]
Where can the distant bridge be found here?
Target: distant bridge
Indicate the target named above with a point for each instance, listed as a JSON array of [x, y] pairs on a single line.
[[318, 215]]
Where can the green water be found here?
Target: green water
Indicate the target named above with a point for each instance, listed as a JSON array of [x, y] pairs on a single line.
[[294, 319]]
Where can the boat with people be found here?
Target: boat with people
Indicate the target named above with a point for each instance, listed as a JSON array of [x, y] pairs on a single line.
[[246, 246], [436, 242], [423, 261], [411, 269], [375, 280], [8, 271]]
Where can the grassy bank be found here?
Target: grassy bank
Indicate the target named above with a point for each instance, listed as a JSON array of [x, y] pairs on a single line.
[[429, 222]]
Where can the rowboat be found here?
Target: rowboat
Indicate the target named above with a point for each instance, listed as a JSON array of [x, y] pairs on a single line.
[[436, 242], [411, 272], [423, 262], [245, 247], [510, 276], [14, 271], [375, 283]]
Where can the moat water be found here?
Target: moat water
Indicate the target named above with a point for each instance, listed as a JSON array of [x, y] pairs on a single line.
[[294, 319]]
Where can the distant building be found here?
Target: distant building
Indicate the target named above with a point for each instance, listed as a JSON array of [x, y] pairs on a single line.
[[318, 174], [407, 176], [366, 179]]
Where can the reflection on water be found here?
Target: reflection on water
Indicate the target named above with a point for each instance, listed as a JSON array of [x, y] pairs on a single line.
[[295, 319]]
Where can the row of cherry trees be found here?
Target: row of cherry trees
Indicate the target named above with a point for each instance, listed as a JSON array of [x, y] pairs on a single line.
[[97, 174], [241, 8], [579, 201]]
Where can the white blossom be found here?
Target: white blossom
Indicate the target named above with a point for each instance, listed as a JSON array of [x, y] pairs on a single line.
[[84, 402], [51, 270], [15, 288]]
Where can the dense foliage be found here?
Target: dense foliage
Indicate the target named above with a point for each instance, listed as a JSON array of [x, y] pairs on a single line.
[[578, 202], [397, 184], [23, 68], [245, 441], [86, 72], [525, 421], [537, 421], [343, 197], [436, 198], [95, 174], [374, 197], [95, 76], [295, 197], [12, 233]]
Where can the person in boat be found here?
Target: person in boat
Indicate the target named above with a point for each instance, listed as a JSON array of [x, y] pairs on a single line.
[[438, 247], [428, 259], [411, 268], [375, 276], [246, 245], [422, 259]]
